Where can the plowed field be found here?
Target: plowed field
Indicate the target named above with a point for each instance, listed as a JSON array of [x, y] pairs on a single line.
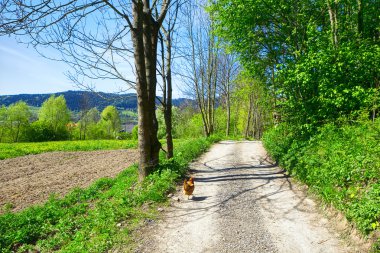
[[30, 180]]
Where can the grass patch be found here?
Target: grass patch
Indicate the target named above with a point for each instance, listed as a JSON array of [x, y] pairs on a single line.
[[99, 217], [10, 150], [341, 164]]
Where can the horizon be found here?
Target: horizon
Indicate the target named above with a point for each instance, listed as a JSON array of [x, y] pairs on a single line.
[[51, 93], [48, 93]]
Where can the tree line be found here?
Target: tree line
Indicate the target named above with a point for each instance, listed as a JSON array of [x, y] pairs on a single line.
[[53, 122], [319, 60]]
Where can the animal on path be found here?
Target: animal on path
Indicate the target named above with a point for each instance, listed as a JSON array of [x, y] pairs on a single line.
[[188, 187]]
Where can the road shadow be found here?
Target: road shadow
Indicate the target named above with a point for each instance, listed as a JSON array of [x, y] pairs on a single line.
[[247, 178], [199, 198]]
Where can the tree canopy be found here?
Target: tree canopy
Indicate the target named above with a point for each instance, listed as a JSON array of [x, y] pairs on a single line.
[[320, 59], [55, 114]]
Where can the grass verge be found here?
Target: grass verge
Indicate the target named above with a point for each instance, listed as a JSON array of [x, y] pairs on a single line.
[[339, 163], [99, 217], [10, 150]]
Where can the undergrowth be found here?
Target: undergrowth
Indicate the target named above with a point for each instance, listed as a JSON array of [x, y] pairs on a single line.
[[10, 150], [101, 216], [340, 163]]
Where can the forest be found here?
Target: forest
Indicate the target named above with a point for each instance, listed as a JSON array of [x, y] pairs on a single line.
[[53, 121], [302, 76]]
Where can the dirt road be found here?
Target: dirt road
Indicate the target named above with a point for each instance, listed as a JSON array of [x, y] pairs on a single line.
[[242, 203]]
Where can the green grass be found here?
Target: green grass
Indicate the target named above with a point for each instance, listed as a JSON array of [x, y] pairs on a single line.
[[10, 150], [100, 217], [341, 164]]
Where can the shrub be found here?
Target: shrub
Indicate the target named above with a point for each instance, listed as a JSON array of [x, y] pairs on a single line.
[[135, 132], [340, 163], [278, 140], [40, 131]]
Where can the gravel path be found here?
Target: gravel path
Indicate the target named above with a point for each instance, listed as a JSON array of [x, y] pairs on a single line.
[[241, 203]]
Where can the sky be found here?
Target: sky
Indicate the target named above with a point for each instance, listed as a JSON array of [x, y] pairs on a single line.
[[24, 71]]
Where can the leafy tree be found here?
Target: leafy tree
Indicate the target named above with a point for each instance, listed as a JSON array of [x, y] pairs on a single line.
[[316, 92], [3, 121], [55, 115], [161, 122], [200, 65], [183, 117], [40, 132], [18, 119], [252, 106], [111, 120], [87, 122]]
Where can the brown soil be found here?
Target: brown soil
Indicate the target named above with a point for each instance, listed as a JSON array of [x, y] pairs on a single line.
[[30, 180]]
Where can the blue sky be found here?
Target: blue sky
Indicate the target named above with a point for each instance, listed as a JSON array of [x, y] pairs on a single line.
[[24, 71]]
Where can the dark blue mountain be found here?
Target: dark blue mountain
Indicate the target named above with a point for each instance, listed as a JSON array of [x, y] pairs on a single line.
[[81, 100]]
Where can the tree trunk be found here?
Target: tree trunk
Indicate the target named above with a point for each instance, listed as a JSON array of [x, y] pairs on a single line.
[[17, 132], [144, 36], [168, 102], [332, 9], [84, 132], [376, 99], [228, 109], [360, 18], [248, 118]]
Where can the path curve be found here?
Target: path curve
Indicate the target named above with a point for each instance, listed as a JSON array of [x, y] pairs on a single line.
[[242, 203]]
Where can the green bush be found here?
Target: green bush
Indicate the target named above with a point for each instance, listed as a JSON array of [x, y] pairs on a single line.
[[278, 140], [39, 132], [340, 163], [135, 132]]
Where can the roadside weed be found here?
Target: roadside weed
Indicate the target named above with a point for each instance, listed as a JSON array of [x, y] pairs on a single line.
[[101, 216]]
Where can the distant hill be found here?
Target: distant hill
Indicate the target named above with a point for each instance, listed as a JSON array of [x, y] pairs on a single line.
[[79, 100]]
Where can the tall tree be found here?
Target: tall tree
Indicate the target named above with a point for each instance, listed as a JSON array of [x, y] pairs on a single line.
[[3, 121], [167, 41], [18, 118], [332, 6], [88, 121], [252, 105], [200, 65], [228, 70], [55, 114], [97, 38], [110, 117]]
